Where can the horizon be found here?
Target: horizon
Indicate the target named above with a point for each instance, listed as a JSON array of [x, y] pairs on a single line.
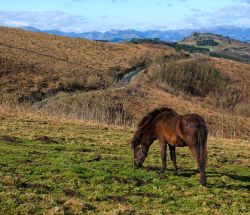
[[85, 16], [131, 29]]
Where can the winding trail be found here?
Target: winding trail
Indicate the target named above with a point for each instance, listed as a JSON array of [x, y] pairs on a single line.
[[128, 77]]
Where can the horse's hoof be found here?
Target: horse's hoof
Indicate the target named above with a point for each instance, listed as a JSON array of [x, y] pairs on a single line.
[[203, 181], [137, 167], [162, 171]]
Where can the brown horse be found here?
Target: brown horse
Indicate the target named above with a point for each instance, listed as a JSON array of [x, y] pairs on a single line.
[[173, 130]]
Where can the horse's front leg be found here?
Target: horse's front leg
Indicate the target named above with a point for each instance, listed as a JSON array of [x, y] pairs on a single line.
[[173, 157], [163, 144]]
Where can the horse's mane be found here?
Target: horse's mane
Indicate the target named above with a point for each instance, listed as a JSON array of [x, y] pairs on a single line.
[[145, 121]]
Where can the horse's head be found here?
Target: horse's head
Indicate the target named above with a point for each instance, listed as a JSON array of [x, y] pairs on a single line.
[[140, 154]]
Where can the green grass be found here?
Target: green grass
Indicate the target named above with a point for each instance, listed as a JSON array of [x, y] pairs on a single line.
[[83, 168], [211, 48]]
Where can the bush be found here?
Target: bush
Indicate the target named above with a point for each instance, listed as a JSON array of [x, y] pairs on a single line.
[[197, 77], [75, 83], [140, 60], [116, 72], [231, 56], [93, 81], [208, 42], [243, 109]]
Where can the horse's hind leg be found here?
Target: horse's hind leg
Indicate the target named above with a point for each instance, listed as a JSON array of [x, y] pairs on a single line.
[[163, 144], [173, 157], [201, 161]]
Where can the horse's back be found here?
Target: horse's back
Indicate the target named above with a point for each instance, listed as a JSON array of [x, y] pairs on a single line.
[[191, 124]]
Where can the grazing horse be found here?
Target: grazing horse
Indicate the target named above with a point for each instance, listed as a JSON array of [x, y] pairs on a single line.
[[173, 130]]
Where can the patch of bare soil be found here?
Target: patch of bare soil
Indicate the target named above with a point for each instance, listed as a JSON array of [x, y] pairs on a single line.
[[45, 139]]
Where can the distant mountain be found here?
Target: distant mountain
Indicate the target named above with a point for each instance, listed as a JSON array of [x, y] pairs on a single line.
[[115, 35]]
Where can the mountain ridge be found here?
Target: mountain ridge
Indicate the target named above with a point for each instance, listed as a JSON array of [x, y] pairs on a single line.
[[117, 35]]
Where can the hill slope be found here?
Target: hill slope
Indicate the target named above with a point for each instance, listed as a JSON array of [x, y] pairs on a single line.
[[220, 46], [36, 64], [78, 78]]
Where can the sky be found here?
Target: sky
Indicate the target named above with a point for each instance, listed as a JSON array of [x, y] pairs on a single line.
[[103, 15]]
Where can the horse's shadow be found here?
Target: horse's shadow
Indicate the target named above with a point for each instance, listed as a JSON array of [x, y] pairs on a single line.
[[183, 172], [190, 172], [240, 178]]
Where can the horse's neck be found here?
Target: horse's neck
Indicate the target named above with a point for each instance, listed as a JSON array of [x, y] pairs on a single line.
[[148, 137]]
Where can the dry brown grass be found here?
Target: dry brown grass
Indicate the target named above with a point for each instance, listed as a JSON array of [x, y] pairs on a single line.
[[234, 127], [239, 72], [127, 105], [34, 65]]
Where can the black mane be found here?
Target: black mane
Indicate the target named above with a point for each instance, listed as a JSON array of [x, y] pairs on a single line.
[[145, 121]]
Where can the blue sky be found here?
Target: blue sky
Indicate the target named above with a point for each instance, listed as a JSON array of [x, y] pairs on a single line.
[[103, 15]]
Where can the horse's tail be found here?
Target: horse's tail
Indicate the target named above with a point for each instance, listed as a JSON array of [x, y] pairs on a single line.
[[202, 145], [201, 148]]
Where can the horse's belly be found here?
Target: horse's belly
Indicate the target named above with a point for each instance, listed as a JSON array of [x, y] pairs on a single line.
[[181, 143]]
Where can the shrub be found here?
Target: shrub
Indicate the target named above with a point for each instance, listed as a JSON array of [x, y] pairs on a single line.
[[208, 42], [197, 77], [243, 109], [116, 72], [93, 81], [140, 60], [75, 83]]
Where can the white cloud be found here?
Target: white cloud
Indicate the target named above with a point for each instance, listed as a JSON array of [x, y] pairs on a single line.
[[56, 20], [47, 20], [15, 23], [237, 15]]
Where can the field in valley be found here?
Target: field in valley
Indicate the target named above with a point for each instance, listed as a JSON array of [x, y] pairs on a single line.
[[52, 165]]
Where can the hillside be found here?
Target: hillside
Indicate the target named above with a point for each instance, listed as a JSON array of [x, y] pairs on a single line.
[[34, 65], [80, 79], [220, 46], [200, 39]]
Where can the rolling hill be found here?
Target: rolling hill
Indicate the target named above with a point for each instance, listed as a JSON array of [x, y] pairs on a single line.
[[79, 78], [36, 64], [220, 46]]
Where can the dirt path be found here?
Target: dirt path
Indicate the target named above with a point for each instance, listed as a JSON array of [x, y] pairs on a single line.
[[128, 77]]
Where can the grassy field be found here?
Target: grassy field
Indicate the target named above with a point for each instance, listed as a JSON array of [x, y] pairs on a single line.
[[59, 166]]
